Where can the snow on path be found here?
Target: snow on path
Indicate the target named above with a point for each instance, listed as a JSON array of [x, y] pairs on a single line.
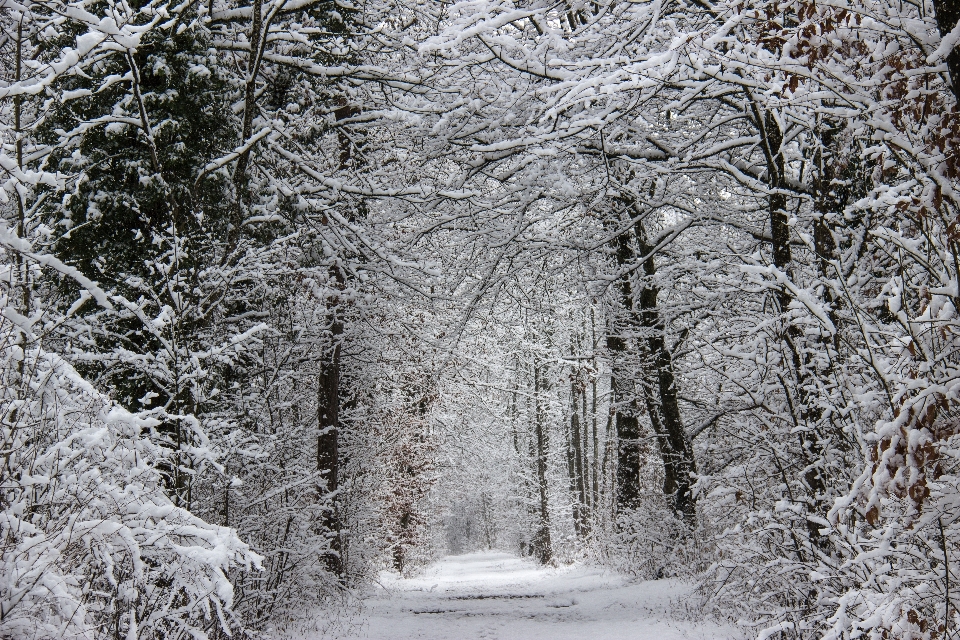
[[497, 596]]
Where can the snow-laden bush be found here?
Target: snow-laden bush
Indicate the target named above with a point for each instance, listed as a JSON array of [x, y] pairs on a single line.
[[883, 580], [651, 542], [91, 545]]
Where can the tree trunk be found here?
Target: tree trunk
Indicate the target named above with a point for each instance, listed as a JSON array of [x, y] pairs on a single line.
[[328, 446], [675, 447], [793, 335], [659, 388], [585, 457], [577, 435], [948, 14], [623, 393], [593, 413], [525, 548], [572, 436], [609, 479], [23, 270], [541, 542], [240, 178]]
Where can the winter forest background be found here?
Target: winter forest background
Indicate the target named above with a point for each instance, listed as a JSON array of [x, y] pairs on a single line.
[[297, 290]]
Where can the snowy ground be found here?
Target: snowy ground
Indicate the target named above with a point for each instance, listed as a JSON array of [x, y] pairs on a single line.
[[496, 596]]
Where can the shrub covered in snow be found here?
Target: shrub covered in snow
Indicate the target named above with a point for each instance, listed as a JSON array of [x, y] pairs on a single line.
[[92, 547]]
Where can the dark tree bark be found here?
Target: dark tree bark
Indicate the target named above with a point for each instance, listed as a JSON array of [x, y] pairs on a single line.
[[572, 437], [948, 14], [576, 435], [627, 425], [328, 445], [585, 455], [328, 405], [595, 471], [240, 178], [828, 202], [344, 111], [541, 541], [793, 338], [526, 548], [658, 385], [663, 405], [626, 422]]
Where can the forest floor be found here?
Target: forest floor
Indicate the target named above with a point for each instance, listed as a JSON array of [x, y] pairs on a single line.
[[497, 596]]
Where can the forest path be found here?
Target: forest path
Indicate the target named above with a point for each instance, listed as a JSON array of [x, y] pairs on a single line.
[[497, 596]]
